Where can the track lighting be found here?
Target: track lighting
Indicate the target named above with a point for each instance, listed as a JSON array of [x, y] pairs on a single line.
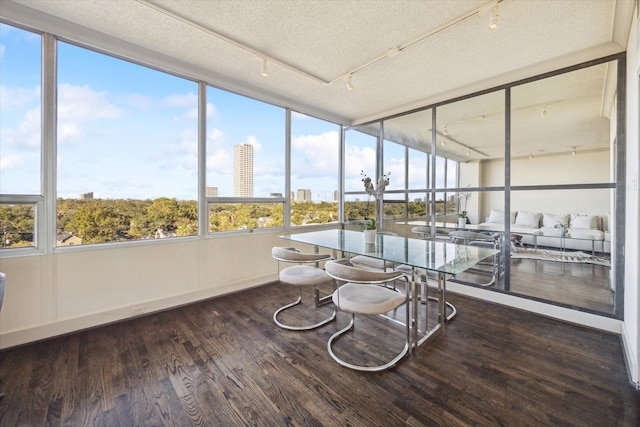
[[265, 68], [573, 152], [468, 152], [445, 132], [349, 84], [495, 18]]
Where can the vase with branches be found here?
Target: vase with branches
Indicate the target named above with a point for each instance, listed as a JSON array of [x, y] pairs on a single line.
[[376, 191]]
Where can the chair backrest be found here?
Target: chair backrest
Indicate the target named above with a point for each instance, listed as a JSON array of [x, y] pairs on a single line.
[[3, 280], [288, 254], [342, 271], [387, 233]]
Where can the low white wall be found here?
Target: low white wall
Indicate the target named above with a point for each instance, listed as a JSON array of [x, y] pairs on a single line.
[[48, 295]]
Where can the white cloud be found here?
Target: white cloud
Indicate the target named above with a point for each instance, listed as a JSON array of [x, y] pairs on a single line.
[[183, 101], [14, 98], [78, 105], [220, 161], [8, 162], [27, 134], [252, 140], [212, 111], [83, 103], [319, 154]]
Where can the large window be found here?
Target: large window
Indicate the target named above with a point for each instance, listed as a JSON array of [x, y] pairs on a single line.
[[245, 176], [127, 151], [315, 157], [359, 158], [20, 136]]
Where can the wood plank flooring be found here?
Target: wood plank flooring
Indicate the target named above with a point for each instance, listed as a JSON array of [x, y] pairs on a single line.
[[223, 362]]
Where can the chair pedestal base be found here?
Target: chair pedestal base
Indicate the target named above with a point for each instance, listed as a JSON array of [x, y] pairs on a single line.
[[319, 302], [376, 368]]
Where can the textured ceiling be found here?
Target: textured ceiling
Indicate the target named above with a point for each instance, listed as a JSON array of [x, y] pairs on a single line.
[[443, 48]]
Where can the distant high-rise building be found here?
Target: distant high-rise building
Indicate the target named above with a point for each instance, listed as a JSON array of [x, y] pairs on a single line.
[[87, 195], [212, 191], [243, 170], [303, 195]]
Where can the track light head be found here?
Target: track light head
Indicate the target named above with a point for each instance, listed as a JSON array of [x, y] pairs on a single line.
[[265, 68], [349, 84], [495, 18]]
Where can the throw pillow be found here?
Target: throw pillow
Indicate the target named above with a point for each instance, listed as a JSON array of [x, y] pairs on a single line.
[[496, 216], [551, 220], [583, 221], [528, 219]]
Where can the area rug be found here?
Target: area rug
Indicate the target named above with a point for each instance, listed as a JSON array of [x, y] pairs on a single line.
[[566, 256]]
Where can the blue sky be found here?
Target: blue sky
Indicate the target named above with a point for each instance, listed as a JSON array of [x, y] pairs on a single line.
[[127, 131]]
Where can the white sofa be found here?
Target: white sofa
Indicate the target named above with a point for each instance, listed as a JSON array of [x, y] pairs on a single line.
[[582, 231]]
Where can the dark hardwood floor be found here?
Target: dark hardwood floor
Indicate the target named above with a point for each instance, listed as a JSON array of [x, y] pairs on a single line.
[[223, 362]]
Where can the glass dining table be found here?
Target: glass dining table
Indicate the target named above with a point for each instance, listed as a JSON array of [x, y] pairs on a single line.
[[417, 256]]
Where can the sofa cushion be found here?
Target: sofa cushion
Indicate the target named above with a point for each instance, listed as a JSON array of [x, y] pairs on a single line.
[[583, 221], [528, 219], [496, 216], [586, 233], [551, 220]]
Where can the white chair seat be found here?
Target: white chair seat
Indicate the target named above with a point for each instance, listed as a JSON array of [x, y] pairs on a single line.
[[304, 275], [301, 275], [366, 299]]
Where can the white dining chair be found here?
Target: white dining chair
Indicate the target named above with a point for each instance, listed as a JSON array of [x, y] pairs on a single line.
[[358, 292], [302, 275]]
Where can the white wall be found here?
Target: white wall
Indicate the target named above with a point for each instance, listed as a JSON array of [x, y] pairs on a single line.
[[631, 324], [591, 167], [47, 295]]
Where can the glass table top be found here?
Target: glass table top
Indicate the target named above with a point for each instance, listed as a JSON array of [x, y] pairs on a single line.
[[439, 256]]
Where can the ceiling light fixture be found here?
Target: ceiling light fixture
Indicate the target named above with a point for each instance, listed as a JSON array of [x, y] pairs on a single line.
[[265, 68], [468, 152], [495, 18], [543, 113], [349, 84], [389, 53], [573, 152], [445, 132]]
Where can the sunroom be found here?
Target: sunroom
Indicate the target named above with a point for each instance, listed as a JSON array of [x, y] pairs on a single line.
[[138, 140]]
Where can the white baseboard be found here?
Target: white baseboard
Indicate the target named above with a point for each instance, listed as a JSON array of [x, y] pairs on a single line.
[[630, 359], [66, 326], [561, 313]]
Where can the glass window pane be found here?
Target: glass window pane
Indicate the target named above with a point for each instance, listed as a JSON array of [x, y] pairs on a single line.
[[17, 225], [360, 156], [20, 112], [244, 216], [127, 150], [570, 250], [245, 146], [314, 170], [561, 129], [394, 164], [471, 132]]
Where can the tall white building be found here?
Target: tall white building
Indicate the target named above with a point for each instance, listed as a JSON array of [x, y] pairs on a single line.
[[243, 170]]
